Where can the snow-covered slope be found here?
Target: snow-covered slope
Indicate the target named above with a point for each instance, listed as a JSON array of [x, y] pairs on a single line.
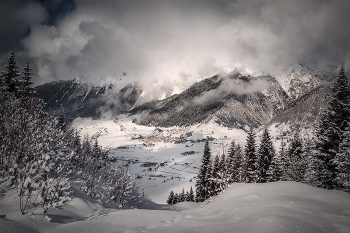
[[300, 78], [270, 207], [81, 98], [235, 100], [163, 159]]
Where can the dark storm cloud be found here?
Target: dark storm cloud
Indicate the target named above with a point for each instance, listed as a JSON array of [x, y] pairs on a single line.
[[167, 45], [16, 17], [57, 9]]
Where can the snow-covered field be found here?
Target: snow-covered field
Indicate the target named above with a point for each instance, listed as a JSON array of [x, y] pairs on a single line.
[[162, 163], [271, 207]]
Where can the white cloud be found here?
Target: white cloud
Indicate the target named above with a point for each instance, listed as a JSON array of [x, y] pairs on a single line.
[[175, 43], [235, 86]]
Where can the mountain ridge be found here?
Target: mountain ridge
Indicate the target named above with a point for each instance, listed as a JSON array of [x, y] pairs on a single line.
[[233, 100]]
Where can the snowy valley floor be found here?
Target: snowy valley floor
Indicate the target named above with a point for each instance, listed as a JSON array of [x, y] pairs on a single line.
[[272, 207]]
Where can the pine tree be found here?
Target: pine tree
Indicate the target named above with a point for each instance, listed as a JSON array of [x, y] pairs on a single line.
[[217, 183], [190, 196], [170, 198], [235, 166], [187, 196], [297, 167], [275, 173], [204, 175], [176, 198], [284, 161], [223, 171], [342, 163], [26, 89], [10, 76], [311, 176], [229, 163], [266, 153], [239, 165], [216, 178], [251, 158], [182, 196], [61, 119], [329, 130]]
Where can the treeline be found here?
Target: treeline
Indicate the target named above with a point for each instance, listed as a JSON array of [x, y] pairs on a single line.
[[41, 156], [322, 161], [180, 197]]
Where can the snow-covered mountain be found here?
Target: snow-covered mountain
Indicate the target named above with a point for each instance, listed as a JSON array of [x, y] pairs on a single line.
[[81, 98], [234, 100]]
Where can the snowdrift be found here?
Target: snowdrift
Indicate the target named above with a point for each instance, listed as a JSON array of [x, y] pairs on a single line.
[[271, 207]]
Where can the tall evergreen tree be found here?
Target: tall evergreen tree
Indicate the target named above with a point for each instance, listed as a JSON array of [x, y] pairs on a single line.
[[265, 153], [204, 175], [10, 76], [297, 162], [251, 158], [182, 196], [176, 198], [240, 165], [330, 129], [61, 119], [214, 186], [229, 163], [190, 196], [284, 161], [187, 196], [312, 172], [275, 173], [235, 166], [26, 82], [223, 171], [342, 163]]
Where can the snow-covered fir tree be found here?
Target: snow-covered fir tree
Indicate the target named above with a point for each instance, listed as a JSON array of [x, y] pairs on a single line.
[[311, 175], [204, 176], [251, 159], [235, 166], [182, 196], [11, 75], [219, 181], [229, 162], [284, 162], [176, 198], [223, 171], [297, 161], [341, 162], [330, 128], [216, 182], [190, 196], [266, 153], [274, 173], [26, 82], [240, 165]]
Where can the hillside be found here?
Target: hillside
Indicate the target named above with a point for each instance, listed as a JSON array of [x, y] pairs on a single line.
[[271, 207], [83, 99], [234, 100]]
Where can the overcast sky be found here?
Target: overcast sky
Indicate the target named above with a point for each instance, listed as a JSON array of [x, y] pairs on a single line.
[[171, 43]]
